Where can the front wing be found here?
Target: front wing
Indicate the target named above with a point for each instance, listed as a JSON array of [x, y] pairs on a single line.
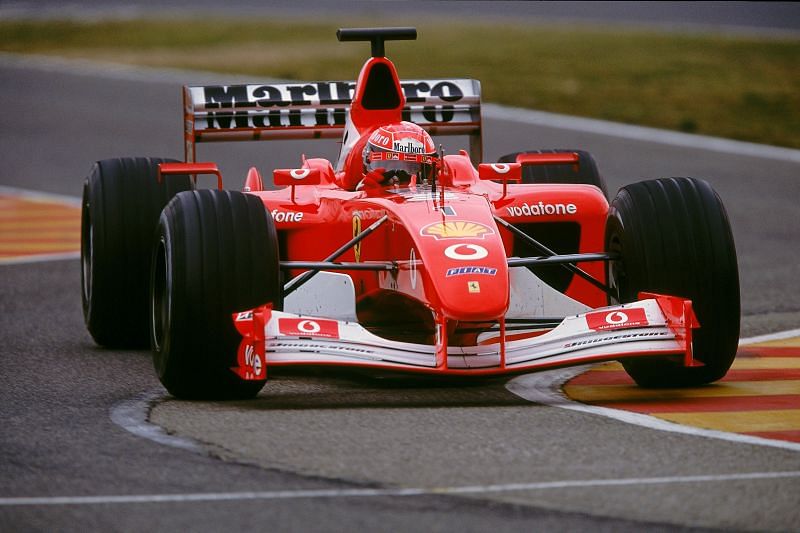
[[655, 326]]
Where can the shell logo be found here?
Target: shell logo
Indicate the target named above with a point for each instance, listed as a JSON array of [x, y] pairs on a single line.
[[457, 229]]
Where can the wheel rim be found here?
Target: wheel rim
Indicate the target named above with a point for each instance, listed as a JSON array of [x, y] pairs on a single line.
[[616, 270], [159, 297], [87, 253]]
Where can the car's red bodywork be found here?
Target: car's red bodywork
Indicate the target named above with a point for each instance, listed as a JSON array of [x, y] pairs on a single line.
[[440, 289]]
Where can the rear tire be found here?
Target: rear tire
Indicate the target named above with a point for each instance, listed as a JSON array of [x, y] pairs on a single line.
[[674, 238], [122, 200], [587, 172], [216, 254], [558, 236]]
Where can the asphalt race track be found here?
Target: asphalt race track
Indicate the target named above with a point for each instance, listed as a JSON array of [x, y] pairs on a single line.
[[342, 452]]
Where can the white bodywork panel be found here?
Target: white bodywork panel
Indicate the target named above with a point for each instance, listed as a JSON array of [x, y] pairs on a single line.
[[333, 295], [328, 294], [532, 297]]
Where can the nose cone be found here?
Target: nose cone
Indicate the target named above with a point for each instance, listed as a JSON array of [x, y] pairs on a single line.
[[466, 265]]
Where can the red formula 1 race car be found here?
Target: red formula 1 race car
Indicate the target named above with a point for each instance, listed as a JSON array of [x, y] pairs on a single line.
[[396, 256]]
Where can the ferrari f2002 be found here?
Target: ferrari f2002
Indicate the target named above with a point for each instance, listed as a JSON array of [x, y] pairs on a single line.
[[398, 256]]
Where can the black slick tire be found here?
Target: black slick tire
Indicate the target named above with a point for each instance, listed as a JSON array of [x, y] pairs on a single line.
[[122, 200], [586, 173], [673, 237], [216, 253]]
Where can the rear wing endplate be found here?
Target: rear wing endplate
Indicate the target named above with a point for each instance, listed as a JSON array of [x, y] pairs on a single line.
[[315, 110]]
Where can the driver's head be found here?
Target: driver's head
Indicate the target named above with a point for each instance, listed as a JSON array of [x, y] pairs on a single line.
[[403, 151]]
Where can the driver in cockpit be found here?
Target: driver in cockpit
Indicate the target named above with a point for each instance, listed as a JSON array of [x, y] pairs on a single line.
[[400, 155]]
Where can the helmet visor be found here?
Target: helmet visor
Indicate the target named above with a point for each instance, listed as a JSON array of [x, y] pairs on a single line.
[[420, 165]]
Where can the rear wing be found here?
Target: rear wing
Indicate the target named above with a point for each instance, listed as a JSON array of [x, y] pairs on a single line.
[[316, 110]]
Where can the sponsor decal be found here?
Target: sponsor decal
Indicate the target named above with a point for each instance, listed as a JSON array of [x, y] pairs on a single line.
[[415, 92], [225, 107], [299, 173], [423, 92], [259, 106], [356, 233], [643, 335], [394, 156], [251, 363], [624, 318], [287, 216], [461, 271], [384, 156], [306, 327], [466, 252], [473, 286], [379, 138], [541, 209], [501, 168], [245, 315], [369, 213], [252, 360], [457, 229], [409, 146]]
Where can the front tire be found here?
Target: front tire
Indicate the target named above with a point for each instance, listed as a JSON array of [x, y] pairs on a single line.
[[122, 200], [673, 237], [216, 254]]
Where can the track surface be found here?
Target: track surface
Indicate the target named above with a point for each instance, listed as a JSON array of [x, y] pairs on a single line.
[[342, 432]]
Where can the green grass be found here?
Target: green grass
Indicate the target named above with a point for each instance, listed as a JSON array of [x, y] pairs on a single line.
[[738, 87]]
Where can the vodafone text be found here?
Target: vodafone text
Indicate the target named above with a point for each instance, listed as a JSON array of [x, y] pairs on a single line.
[[541, 209]]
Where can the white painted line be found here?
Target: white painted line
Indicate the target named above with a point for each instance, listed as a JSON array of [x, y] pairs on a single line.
[[545, 388], [368, 493], [788, 334], [131, 415], [493, 111]]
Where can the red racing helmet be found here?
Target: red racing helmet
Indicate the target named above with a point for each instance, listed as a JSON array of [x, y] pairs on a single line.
[[403, 151]]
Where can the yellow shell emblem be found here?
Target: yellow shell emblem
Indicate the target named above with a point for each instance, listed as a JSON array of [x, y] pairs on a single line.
[[457, 229]]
